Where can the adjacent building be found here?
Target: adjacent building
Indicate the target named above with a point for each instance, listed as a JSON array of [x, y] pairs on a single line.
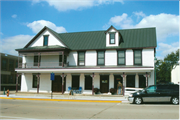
[[95, 59], [175, 77], [8, 73]]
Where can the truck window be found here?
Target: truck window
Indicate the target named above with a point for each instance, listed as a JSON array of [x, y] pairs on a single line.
[[151, 89]]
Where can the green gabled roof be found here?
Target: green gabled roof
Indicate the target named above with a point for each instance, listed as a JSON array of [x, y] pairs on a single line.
[[96, 40], [131, 38]]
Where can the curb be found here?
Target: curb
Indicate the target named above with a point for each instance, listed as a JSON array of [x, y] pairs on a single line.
[[63, 100]]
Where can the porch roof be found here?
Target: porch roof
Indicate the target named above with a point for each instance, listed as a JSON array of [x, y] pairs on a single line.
[[86, 69], [40, 48]]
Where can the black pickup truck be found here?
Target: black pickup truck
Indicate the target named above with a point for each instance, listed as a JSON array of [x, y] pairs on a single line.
[[156, 93]]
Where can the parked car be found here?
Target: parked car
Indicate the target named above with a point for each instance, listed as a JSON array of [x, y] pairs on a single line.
[[156, 93]]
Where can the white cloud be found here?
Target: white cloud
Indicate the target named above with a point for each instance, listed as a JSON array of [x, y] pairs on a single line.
[[165, 49], [8, 45], [139, 14], [14, 16], [166, 24], [64, 5], [36, 26], [123, 20]]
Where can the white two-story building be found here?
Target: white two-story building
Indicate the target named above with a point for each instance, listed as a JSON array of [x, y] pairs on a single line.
[[96, 59]]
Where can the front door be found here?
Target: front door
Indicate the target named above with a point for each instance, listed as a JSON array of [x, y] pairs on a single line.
[[104, 83], [57, 84]]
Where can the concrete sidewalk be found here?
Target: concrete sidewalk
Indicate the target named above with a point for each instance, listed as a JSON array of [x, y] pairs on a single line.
[[67, 97]]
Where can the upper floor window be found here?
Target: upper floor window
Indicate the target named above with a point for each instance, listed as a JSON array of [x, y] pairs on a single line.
[[61, 58], [81, 58], [121, 57], [100, 58], [112, 38], [137, 57], [4, 64], [37, 60], [11, 65], [45, 42]]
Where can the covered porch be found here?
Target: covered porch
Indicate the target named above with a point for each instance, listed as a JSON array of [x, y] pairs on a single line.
[[103, 78]]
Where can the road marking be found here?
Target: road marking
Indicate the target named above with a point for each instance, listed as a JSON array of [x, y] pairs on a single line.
[[64, 100]]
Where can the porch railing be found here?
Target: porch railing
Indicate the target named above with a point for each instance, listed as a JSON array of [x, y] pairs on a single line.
[[43, 65]]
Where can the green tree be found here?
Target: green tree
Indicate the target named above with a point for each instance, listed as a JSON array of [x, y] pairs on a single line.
[[164, 67]]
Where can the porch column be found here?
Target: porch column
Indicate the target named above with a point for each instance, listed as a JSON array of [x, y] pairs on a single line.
[[63, 82], [17, 76], [146, 75], [124, 84], [38, 81], [137, 81], [82, 81], [23, 62], [92, 83], [111, 81]]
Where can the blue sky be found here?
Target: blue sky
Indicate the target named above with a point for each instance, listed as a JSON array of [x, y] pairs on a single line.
[[21, 20]]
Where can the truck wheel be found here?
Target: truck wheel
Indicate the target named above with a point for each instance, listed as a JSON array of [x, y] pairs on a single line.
[[138, 100], [175, 100]]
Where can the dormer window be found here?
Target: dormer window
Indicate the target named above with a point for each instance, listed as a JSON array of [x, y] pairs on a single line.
[[45, 42], [112, 38]]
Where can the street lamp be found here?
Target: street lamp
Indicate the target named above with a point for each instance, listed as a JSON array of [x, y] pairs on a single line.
[[155, 60]]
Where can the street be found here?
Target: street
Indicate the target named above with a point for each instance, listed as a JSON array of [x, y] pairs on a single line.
[[26, 109]]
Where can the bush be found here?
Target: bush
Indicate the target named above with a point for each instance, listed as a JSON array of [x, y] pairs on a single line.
[[96, 90], [112, 91]]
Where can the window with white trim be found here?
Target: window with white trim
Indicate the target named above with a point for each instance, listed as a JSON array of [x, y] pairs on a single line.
[[137, 57], [112, 38]]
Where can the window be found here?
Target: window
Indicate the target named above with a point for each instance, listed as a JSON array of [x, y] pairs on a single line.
[[45, 40], [137, 57], [121, 58], [4, 64], [130, 81], [151, 89], [142, 81], [11, 80], [34, 81], [36, 61], [3, 79], [100, 58], [81, 58], [112, 38], [17, 64], [60, 59], [11, 65], [88, 82]]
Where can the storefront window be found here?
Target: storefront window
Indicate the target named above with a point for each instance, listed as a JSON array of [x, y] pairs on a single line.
[[130, 81]]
